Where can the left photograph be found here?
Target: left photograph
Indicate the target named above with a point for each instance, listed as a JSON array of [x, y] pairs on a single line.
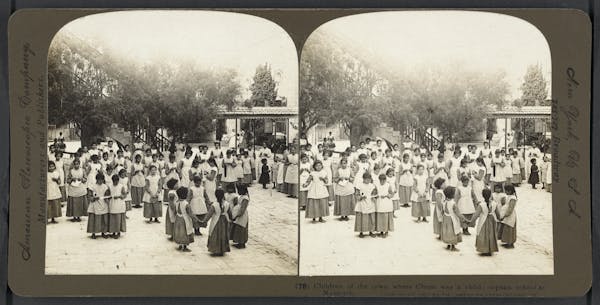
[[171, 145]]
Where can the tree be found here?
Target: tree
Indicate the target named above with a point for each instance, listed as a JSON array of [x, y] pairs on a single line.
[[534, 90], [263, 87]]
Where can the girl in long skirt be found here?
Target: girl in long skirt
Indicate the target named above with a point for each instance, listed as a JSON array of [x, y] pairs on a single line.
[[328, 167], [344, 191], [138, 181], [183, 229], [77, 190], [229, 177], [516, 168], [391, 178], [210, 175], [451, 222], [184, 166], [117, 208], [438, 212], [384, 208], [420, 195], [53, 193], [291, 175], [197, 199], [171, 213], [152, 206], [247, 168], [275, 173], [507, 231], [365, 207], [549, 176], [543, 166], [239, 222], [218, 230], [406, 181], [486, 216], [453, 168], [305, 167], [98, 207], [478, 179], [170, 172], [318, 196], [92, 169], [486, 154], [281, 186], [60, 168], [466, 201], [508, 164]]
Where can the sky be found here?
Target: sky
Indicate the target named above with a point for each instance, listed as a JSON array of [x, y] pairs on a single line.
[[482, 41], [215, 39]]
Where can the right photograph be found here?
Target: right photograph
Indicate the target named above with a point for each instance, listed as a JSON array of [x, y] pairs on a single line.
[[425, 146]]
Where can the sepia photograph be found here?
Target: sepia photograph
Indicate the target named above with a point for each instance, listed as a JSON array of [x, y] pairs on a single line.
[[425, 146], [171, 145]]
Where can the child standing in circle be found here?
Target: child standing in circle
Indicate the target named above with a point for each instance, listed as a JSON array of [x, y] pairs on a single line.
[[466, 201], [486, 215], [438, 212], [197, 199], [507, 231], [451, 222], [183, 229], [318, 196], [218, 230]]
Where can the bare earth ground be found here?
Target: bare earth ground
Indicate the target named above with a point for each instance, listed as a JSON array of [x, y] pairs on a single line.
[[272, 248], [332, 248]]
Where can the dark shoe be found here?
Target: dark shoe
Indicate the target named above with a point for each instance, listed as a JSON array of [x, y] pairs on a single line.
[[186, 249], [93, 236], [361, 235]]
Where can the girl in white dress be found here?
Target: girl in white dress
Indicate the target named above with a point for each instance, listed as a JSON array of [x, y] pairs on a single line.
[[391, 179], [138, 181], [498, 169], [305, 167], [98, 207], [53, 193], [152, 205], [406, 181], [420, 195], [318, 196], [185, 164], [453, 166], [508, 167], [93, 168], [124, 180], [171, 171], [117, 208], [344, 191], [507, 230], [486, 154], [210, 173], [384, 208], [328, 167], [366, 192], [77, 190], [291, 174]]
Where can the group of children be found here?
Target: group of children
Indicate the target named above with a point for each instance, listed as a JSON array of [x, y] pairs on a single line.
[[199, 188], [372, 181]]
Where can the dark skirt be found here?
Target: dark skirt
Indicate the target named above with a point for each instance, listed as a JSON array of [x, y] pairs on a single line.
[[152, 210], [54, 209], [487, 240], [77, 206], [404, 194], [239, 234], [247, 179], [282, 188], [465, 225], [302, 198], [507, 234], [316, 208], [117, 223], [97, 223], [384, 222], [420, 209], [218, 241], [534, 178], [264, 178], [364, 222], [195, 221], [253, 174], [227, 185], [292, 189], [137, 193], [437, 225], [344, 205], [180, 235], [331, 194], [165, 195], [128, 205], [168, 224], [516, 179], [448, 235]]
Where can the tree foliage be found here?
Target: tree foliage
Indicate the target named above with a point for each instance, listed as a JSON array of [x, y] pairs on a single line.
[[534, 88], [263, 87], [93, 88], [341, 88]]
